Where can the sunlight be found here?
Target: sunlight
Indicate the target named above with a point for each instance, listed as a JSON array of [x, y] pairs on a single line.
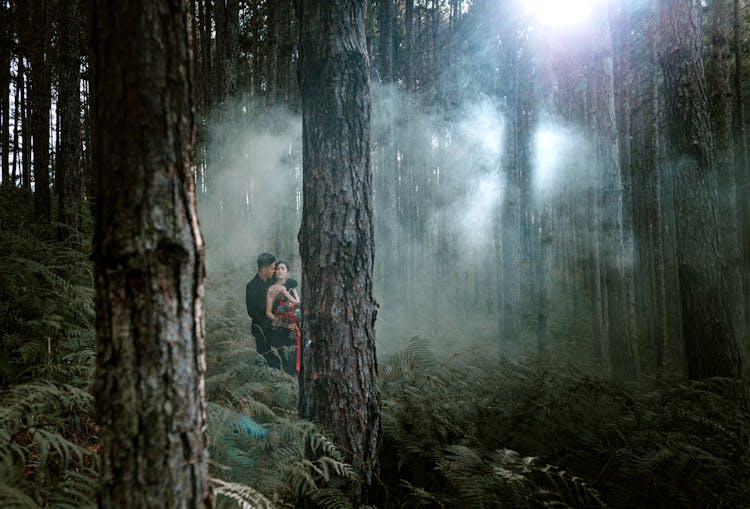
[[557, 13]]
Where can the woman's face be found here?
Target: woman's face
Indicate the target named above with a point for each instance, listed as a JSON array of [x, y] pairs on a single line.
[[281, 271]]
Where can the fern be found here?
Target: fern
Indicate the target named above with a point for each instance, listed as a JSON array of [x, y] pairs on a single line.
[[37, 421], [243, 496]]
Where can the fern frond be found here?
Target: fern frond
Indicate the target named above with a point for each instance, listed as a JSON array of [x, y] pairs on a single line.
[[245, 496], [331, 498]]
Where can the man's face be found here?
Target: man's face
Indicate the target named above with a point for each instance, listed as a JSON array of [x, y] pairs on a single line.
[[266, 272]]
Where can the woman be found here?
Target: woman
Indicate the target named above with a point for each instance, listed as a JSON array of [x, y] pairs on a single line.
[[282, 306]]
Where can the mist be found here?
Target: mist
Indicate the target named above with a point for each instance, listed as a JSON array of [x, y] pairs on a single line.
[[439, 187]]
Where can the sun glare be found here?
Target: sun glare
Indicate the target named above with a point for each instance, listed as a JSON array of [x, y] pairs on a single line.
[[559, 13]]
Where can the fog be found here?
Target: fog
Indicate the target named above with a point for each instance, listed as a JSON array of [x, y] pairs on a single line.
[[439, 187]]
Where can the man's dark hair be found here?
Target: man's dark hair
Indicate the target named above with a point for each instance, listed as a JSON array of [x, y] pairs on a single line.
[[266, 259]]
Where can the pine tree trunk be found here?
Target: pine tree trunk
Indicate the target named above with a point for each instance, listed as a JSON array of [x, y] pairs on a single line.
[[338, 384], [5, 57], [69, 175], [742, 172], [622, 349], [718, 75], [17, 122], [385, 41], [544, 286], [273, 26], [647, 206], [710, 345], [409, 49], [149, 260], [25, 126], [620, 21], [40, 107]]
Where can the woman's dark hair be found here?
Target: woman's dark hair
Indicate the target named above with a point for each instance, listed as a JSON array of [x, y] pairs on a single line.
[[279, 262]]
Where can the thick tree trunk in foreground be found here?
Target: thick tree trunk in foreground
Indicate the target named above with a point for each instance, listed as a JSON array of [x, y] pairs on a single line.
[[338, 385], [148, 253], [710, 343]]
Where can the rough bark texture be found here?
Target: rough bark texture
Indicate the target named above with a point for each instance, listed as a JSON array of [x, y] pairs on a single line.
[[338, 384], [718, 75], [710, 344], [68, 171], [742, 175], [149, 260]]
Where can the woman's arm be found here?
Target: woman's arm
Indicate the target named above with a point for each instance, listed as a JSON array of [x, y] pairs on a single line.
[[291, 296], [295, 296]]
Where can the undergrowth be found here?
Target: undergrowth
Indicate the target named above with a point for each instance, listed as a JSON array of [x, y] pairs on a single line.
[[457, 431]]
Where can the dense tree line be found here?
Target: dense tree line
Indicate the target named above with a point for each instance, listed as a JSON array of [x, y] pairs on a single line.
[[634, 245]]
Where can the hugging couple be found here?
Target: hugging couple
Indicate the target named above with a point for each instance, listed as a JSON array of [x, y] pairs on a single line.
[[273, 303]]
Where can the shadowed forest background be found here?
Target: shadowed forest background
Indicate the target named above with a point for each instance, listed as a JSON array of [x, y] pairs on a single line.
[[561, 222]]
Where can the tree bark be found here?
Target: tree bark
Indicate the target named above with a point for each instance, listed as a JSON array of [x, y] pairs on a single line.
[[718, 75], [622, 348], [647, 203], [338, 383], [742, 172], [68, 171], [409, 48], [516, 141], [710, 345], [40, 106], [385, 41], [5, 57], [149, 260]]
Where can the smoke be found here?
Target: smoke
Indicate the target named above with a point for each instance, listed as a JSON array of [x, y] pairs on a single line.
[[252, 192], [438, 190], [562, 158]]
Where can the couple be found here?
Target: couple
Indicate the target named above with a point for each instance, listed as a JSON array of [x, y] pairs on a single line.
[[273, 303]]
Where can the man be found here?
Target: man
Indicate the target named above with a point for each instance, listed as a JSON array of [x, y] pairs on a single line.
[[255, 301]]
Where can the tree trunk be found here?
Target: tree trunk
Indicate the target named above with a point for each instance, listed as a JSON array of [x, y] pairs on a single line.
[[510, 283], [544, 285], [5, 57], [338, 384], [718, 75], [149, 260], [742, 172], [385, 41], [273, 27], [710, 344], [409, 49], [25, 127], [69, 177], [622, 349], [620, 21], [647, 206], [17, 122], [40, 106]]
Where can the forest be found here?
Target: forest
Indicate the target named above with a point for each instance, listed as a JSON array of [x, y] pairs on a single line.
[[521, 230]]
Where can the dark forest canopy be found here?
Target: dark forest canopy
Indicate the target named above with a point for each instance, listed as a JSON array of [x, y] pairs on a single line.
[[539, 216]]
